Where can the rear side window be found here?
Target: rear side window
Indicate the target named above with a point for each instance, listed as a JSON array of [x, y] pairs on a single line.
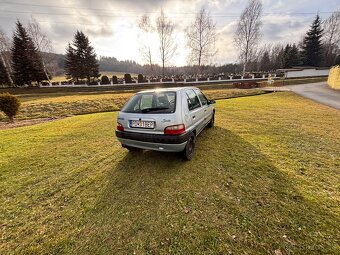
[[153, 102], [193, 102], [202, 97]]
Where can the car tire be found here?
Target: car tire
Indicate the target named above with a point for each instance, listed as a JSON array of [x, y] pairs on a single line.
[[189, 150], [212, 121]]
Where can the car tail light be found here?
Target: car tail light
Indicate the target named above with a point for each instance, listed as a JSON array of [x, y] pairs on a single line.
[[174, 130], [120, 127]]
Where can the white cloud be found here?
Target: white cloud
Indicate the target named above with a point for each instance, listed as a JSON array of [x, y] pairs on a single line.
[[112, 28]]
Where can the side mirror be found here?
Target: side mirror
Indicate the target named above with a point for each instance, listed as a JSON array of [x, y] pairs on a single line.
[[212, 101]]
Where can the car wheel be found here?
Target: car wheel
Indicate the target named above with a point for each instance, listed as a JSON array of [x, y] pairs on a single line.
[[212, 121], [189, 150]]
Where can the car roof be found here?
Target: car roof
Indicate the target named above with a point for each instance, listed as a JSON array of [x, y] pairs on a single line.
[[166, 89]]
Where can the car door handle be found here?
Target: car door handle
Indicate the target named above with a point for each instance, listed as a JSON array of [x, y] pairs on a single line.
[[193, 117], [205, 110]]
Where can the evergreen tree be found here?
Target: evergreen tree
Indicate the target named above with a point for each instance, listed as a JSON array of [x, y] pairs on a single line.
[[294, 56], [26, 61], [286, 57], [3, 74], [81, 60], [70, 63], [311, 48], [279, 60], [337, 60], [265, 64], [291, 56]]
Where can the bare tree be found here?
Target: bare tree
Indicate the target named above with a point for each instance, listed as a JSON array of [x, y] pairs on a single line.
[[201, 36], [146, 27], [248, 34], [5, 48], [331, 36], [42, 43], [167, 44]]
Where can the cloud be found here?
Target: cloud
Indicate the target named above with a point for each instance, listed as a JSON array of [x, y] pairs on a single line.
[[112, 25]]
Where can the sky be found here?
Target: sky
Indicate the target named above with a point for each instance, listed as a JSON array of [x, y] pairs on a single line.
[[111, 25]]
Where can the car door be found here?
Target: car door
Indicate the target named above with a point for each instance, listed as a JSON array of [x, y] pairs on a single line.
[[207, 110], [196, 112]]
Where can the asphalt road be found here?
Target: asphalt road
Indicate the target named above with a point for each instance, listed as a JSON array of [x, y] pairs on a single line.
[[319, 92]]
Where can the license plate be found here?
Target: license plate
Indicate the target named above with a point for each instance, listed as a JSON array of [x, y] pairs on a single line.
[[142, 124]]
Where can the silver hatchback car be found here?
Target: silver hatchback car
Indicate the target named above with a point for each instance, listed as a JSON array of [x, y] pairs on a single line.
[[165, 120]]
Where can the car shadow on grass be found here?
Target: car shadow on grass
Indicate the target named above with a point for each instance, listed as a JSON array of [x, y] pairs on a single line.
[[229, 198]]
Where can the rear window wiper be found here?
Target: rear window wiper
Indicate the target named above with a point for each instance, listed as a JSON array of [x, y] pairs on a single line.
[[154, 109]]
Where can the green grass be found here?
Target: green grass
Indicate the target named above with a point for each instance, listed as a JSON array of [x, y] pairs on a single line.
[[265, 178], [61, 104]]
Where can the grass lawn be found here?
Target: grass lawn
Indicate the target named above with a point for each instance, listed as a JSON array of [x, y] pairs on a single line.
[[60, 104], [265, 179]]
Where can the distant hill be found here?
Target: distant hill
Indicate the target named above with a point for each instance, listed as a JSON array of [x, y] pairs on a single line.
[[106, 64]]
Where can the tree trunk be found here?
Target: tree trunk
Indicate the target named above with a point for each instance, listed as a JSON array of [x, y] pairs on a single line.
[[7, 71], [244, 69], [44, 68], [163, 68], [199, 62]]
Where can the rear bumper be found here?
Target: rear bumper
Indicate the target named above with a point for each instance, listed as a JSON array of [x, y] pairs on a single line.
[[153, 141]]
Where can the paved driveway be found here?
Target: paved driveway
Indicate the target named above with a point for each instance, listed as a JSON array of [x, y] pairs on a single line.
[[319, 92]]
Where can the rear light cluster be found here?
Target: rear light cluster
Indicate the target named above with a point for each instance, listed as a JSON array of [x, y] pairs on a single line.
[[120, 127], [174, 130]]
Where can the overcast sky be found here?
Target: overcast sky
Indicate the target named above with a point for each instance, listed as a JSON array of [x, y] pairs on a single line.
[[112, 24]]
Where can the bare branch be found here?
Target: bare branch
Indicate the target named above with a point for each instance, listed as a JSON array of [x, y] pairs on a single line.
[[147, 29], [331, 37], [43, 45], [201, 36], [248, 34], [167, 44], [5, 56]]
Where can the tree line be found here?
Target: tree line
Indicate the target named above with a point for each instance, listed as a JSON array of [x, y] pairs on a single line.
[[28, 57], [320, 45]]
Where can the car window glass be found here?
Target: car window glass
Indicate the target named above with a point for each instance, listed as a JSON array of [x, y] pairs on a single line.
[[165, 101], [146, 101], [202, 97], [193, 101]]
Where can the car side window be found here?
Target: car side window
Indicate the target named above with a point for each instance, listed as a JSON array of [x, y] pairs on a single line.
[[202, 97], [193, 102]]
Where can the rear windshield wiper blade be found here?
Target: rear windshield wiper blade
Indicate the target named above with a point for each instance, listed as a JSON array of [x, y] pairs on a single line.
[[154, 109]]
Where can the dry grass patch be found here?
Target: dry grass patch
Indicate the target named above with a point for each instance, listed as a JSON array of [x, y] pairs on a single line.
[[265, 179]]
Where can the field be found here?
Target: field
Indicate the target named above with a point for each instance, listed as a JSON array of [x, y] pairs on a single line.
[[264, 180], [62, 104]]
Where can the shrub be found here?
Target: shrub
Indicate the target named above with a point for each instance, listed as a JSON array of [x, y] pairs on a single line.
[[105, 80], [114, 79], [127, 78], [140, 78], [10, 105]]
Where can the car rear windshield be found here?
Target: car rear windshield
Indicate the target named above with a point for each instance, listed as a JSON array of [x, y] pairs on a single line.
[[152, 102]]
